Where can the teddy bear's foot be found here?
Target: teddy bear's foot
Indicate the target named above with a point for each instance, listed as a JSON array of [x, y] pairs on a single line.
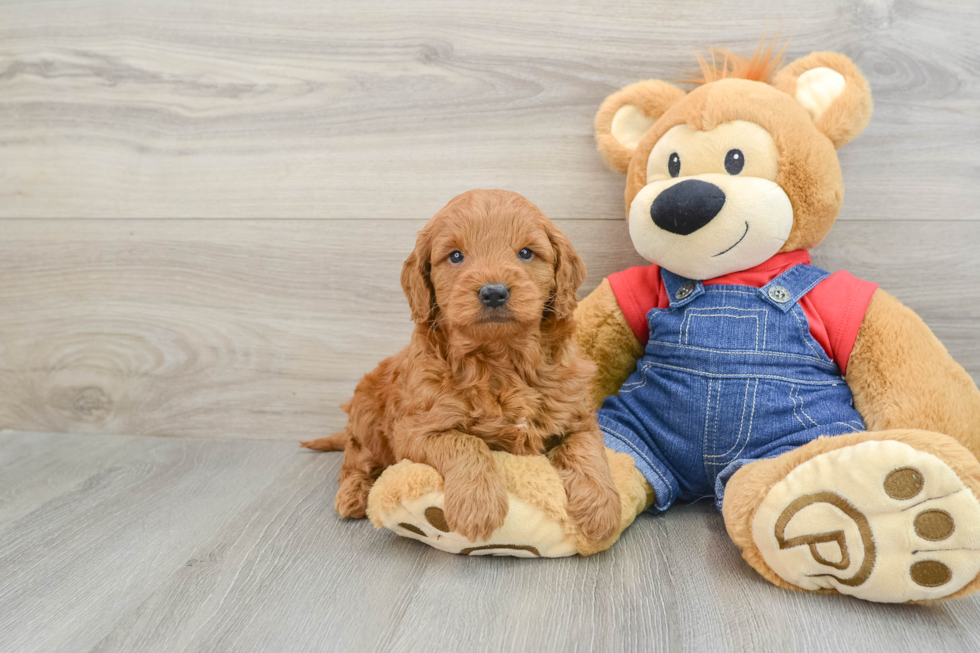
[[528, 533], [880, 520], [409, 500]]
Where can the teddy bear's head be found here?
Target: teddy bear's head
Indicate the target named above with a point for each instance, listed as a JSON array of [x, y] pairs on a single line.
[[742, 167]]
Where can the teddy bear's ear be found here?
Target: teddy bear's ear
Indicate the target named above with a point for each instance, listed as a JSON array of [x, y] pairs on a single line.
[[627, 114], [832, 90]]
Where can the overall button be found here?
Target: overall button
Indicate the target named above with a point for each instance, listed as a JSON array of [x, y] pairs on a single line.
[[779, 294], [685, 291]]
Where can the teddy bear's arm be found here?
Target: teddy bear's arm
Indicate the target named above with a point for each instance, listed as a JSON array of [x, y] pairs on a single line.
[[603, 334], [902, 376]]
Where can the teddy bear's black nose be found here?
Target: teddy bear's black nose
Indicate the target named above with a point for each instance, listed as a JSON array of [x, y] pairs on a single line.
[[686, 207]]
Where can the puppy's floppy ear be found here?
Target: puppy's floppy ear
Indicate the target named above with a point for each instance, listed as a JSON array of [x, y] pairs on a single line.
[[832, 90], [626, 115], [415, 279], [569, 274]]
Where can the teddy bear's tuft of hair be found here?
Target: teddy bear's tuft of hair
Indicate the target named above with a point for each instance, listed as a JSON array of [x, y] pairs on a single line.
[[760, 67]]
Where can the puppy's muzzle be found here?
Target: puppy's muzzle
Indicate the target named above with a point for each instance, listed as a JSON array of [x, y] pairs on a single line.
[[494, 295], [686, 207]]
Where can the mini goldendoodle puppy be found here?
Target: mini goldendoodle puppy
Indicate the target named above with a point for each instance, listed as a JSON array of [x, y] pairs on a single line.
[[491, 366]]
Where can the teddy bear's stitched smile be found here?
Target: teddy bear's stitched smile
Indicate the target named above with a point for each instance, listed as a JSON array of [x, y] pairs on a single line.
[[744, 234]]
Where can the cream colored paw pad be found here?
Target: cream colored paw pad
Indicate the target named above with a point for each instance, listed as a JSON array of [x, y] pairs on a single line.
[[879, 520], [527, 532], [408, 500]]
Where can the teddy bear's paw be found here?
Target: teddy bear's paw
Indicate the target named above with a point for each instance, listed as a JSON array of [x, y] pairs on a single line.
[[879, 520], [526, 533]]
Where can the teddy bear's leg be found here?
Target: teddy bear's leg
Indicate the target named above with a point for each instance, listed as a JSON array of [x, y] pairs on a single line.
[[889, 516], [409, 500]]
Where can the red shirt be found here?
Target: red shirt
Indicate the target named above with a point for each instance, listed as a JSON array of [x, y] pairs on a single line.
[[835, 307]]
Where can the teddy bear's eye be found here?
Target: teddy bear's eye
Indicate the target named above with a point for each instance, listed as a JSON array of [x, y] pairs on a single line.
[[674, 164], [456, 257], [734, 161]]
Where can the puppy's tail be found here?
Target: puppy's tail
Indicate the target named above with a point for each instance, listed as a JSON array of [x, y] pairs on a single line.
[[335, 442]]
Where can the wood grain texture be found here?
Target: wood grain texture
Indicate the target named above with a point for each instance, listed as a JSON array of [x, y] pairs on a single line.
[[177, 544], [260, 329], [207, 204], [312, 108]]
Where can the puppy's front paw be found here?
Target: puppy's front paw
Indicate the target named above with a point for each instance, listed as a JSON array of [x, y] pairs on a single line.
[[595, 507], [476, 506]]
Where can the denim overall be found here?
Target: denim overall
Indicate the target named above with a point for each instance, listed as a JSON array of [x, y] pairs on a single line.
[[730, 375]]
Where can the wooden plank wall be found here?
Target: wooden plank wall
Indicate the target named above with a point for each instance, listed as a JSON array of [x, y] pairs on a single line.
[[205, 206]]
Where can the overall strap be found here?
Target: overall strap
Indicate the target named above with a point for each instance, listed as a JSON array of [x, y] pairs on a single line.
[[787, 289], [681, 291]]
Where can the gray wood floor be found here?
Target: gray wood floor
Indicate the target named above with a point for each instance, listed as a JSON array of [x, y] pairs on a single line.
[[114, 543]]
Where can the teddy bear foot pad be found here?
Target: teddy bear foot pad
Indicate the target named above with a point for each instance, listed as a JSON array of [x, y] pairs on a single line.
[[880, 521], [527, 533], [408, 499]]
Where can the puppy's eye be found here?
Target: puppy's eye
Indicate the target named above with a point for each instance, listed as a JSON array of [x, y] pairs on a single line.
[[525, 254], [674, 164], [734, 161], [456, 257]]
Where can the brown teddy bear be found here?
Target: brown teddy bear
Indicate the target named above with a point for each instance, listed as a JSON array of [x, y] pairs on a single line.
[[837, 435]]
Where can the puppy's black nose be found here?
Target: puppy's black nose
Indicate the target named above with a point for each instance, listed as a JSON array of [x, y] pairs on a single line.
[[686, 207], [494, 295]]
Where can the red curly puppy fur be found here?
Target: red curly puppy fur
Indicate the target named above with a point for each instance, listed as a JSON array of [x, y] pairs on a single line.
[[478, 377]]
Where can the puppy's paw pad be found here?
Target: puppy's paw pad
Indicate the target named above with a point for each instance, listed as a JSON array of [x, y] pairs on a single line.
[[879, 520]]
